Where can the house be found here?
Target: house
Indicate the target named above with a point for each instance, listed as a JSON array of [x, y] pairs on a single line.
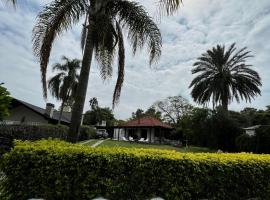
[[22, 112], [146, 128], [251, 131]]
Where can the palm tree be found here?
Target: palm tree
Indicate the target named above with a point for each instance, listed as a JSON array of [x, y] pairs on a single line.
[[224, 75], [101, 35], [64, 84]]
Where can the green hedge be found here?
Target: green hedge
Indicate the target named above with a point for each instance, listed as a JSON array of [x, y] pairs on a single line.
[[30, 132], [260, 143], [86, 133], [58, 170]]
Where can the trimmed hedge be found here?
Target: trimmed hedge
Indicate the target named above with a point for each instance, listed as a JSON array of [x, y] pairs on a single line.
[[32, 133], [59, 170]]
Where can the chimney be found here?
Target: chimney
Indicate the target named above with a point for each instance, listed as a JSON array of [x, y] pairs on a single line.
[[49, 109]]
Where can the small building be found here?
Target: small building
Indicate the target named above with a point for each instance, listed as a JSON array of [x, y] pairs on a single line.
[[21, 112], [146, 128], [251, 131]]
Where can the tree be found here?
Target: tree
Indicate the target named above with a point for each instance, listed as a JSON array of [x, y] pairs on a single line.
[[173, 108], [138, 113], [224, 76], [64, 84], [5, 101], [93, 103], [97, 114], [153, 113], [101, 35]]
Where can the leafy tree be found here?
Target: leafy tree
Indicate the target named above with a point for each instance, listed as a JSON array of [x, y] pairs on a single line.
[[138, 113], [173, 108], [153, 113], [64, 84], [101, 35], [223, 75], [97, 114], [94, 117], [93, 103], [5, 101]]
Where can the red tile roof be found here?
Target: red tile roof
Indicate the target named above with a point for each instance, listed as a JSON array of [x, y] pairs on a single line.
[[145, 121]]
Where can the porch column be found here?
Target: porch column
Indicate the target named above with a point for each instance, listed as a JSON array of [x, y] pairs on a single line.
[[118, 133]]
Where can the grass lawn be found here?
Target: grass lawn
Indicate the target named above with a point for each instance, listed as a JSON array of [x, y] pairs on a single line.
[[89, 142], [112, 143]]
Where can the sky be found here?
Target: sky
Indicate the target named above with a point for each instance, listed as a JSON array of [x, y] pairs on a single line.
[[197, 26]]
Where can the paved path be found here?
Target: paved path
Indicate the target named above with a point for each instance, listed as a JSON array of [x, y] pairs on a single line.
[[98, 143], [83, 143]]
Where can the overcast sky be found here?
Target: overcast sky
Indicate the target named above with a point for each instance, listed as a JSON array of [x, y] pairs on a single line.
[[197, 26]]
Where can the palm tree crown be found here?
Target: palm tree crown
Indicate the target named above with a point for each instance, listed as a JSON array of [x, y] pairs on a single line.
[[224, 75], [64, 84]]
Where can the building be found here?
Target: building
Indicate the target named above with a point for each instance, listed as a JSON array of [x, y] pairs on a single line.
[[144, 129], [22, 112], [251, 131]]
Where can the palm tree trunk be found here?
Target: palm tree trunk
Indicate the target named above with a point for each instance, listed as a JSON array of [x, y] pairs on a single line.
[[225, 105], [77, 110], [61, 112]]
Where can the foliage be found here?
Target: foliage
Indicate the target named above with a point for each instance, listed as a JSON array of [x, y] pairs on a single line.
[[29, 132], [260, 143], [245, 143], [63, 171], [94, 117], [214, 129], [223, 75], [5, 101], [173, 108], [86, 133], [63, 85], [152, 112]]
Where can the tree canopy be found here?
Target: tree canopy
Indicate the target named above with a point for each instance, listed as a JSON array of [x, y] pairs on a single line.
[[5, 101]]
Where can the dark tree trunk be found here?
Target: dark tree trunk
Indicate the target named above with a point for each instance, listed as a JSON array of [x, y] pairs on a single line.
[[77, 110], [61, 112], [225, 104]]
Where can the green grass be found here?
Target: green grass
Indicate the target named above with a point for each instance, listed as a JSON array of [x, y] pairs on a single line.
[[111, 143]]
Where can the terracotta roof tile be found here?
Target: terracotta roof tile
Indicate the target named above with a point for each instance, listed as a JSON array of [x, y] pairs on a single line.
[[145, 121]]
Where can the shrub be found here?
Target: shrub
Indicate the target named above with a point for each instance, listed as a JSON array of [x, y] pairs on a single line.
[[245, 143], [86, 133], [263, 140], [29, 132], [59, 170], [260, 143]]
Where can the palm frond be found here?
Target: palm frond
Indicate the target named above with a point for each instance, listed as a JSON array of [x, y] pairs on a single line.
[[55, 18], [121, 65], [141, 28], [169, 6], [223, 76]]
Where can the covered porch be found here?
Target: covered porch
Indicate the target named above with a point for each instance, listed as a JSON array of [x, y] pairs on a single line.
[[146, 129]]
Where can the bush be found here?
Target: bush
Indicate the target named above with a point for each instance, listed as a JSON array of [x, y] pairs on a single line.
[[29, 132], [245, 143], [59, 170], [260, 143], [263, 140], [86, 133]]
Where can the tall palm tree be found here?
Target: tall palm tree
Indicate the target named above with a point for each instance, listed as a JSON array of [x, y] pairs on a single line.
[[101, 35], [64, 84], [223, 75]]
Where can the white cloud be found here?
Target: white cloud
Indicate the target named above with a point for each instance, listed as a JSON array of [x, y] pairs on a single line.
[[197, 26]]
